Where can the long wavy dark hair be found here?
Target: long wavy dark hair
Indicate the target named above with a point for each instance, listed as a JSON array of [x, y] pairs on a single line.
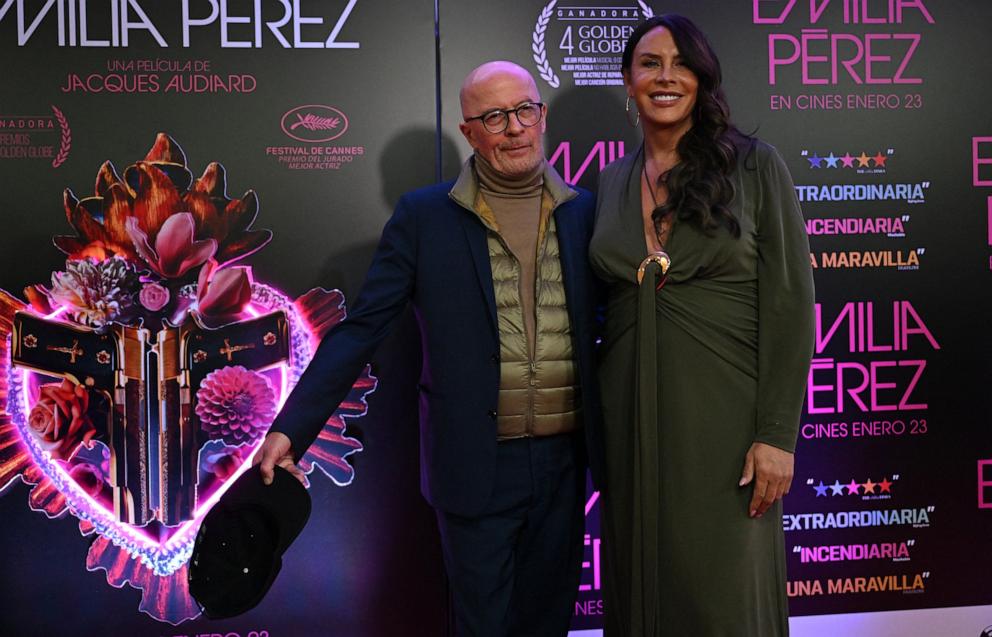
[[699, 186]]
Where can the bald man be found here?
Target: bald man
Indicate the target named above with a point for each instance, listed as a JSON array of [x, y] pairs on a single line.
[[495, 266]]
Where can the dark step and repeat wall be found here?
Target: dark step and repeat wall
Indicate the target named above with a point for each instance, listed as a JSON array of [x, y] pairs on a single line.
[[309, 119]]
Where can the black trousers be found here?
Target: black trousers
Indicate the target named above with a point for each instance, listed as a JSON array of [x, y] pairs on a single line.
[[514, 570]]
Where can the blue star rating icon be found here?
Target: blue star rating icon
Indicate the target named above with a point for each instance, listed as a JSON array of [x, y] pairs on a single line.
[[837, 488], [831, 160], [821, 489], [815, 160]]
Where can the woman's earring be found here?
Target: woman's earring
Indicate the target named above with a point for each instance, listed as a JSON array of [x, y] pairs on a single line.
[[637, 114]]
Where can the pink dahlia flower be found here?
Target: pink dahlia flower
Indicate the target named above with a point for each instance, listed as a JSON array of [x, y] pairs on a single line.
[[235, 405]]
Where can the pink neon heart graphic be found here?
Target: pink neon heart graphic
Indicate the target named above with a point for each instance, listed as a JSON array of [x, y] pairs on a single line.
[[75, 477]]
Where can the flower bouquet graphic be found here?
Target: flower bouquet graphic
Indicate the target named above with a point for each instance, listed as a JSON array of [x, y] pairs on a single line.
[[138, 384]]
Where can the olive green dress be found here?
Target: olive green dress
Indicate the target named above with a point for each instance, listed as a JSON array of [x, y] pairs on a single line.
[[692, 374]]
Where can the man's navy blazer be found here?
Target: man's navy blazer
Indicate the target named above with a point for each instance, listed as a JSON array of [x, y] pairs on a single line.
[[433, 253]]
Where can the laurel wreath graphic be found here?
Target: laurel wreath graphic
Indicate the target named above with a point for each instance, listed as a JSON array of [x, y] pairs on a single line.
[[314, 123], [540, 55], [66, 138]]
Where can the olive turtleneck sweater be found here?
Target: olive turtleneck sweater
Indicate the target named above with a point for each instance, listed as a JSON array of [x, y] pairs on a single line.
[[516, 204]]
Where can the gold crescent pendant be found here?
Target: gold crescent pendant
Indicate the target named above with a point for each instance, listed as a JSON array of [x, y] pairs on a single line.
[[660, 257]]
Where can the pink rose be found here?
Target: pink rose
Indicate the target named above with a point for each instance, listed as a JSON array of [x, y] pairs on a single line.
[[154, 296], [59, 420]]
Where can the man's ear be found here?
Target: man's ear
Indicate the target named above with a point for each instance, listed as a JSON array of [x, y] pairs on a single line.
[[469, 134]]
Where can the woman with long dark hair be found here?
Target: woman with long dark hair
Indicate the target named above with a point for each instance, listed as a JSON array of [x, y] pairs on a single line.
[[709, 333]]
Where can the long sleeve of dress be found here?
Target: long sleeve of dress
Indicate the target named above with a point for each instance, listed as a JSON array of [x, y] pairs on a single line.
[[785, 306], [347, 347]]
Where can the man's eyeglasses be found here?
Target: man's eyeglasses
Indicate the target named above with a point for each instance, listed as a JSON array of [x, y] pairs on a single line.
[[496, 120]]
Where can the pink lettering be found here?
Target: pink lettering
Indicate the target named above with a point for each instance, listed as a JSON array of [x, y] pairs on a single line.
[[774, 60], [778, 19], [990, 221], [904, 401], [815, 12], [914, 38], [853, 392], [871, 330], [603, 151], [849, 63], [920, 327], [830, 58], [867, 19], [595, 565], [871, 59], [877, 385], [821, 340], [912, 4], [808, 37], [977, 161], [812, 388], [853, 11], [871, 387], [984, 485], [862, 333]]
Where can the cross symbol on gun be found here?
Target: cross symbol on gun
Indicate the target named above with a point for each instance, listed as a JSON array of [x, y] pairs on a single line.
[[229, 349], [72, 351]]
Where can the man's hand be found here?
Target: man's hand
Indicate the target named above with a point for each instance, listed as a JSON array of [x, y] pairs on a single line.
[[276, 449], [771, 470]]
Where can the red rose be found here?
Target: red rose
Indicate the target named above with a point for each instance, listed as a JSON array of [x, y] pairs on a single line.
[[59, 419]]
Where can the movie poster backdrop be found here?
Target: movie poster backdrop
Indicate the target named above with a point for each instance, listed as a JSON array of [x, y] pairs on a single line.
[[277, 136], [283, 133], [879, 112]]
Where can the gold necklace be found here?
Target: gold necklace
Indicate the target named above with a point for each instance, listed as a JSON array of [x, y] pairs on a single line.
[[662, 228], [647, 181]]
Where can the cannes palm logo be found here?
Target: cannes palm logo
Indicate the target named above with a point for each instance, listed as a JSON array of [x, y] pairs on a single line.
[[314, 123]]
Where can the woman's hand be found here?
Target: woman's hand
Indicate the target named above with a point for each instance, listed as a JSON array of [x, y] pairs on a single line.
[[771, 470]]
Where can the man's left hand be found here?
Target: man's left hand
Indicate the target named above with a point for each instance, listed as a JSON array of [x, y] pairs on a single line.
[[770, 468], [277, 450]]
